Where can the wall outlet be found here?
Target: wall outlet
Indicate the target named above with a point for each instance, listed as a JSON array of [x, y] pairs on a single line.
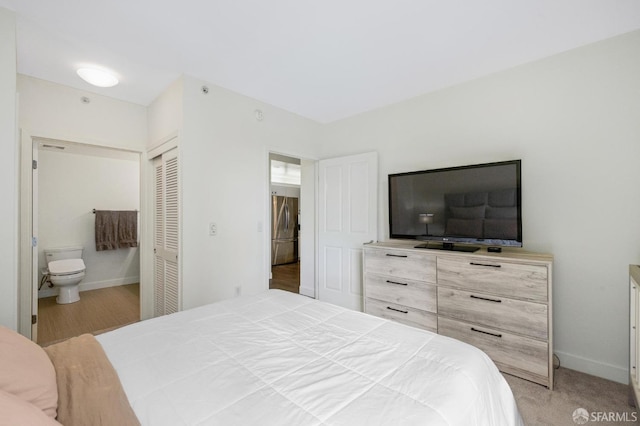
[[213, 229]]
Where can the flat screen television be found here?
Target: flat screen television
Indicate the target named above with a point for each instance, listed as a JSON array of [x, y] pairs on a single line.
[[473, 205]]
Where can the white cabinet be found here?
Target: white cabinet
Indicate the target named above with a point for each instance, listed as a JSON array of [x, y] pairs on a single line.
[[634, 327], [286, 191]]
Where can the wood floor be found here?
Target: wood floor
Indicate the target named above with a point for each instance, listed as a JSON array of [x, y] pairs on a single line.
[[97, 311], [286, 277]]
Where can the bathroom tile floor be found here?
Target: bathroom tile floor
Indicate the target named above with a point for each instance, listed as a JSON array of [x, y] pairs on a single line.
[[97, 311]]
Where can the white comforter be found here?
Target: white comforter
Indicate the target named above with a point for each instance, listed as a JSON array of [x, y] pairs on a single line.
[[283, 359]]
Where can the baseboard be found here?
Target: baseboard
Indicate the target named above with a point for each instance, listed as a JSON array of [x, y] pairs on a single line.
[[595, 368], [109, 283], [308, 291], [95, 285]]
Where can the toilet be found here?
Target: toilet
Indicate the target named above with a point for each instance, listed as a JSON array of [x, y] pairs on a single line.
[[66, 270]]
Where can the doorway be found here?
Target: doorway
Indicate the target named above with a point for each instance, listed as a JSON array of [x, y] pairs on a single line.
[[284, 187], [69, 182]]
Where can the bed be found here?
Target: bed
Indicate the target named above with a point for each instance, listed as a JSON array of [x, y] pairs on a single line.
[[279, 358]]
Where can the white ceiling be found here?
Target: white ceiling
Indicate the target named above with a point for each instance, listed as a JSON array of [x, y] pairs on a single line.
[[324, 60]]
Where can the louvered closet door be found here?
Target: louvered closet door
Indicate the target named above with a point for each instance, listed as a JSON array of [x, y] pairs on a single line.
[[166, 278]]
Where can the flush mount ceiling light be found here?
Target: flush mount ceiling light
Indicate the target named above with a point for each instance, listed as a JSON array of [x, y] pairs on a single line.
[[98, 77]]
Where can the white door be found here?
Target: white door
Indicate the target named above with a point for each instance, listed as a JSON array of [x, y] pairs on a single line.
[[166, 282], [347, 218]]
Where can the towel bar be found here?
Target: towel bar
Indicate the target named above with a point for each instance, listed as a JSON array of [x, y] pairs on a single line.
[[94, 211]]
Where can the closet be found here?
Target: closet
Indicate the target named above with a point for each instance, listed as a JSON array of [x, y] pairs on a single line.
[[166, 281]]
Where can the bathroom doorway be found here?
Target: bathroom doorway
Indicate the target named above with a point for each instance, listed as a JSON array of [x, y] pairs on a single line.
[[70, 182]]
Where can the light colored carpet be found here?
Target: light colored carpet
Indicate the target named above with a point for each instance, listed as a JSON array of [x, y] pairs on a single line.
[[540, 406]]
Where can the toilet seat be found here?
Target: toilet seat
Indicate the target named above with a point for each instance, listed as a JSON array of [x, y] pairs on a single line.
[[66, 267]]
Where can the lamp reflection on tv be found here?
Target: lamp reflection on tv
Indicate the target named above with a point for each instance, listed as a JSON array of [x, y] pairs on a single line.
[[426, 218]]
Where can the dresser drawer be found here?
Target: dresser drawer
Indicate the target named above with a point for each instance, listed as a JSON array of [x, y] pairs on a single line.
[[402, 291], [518, 280], [404, 314], [521, 356], [413, 265], [528, 318]]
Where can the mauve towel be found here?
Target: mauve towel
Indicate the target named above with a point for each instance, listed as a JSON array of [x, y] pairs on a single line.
[[128, 229], [106, 230]]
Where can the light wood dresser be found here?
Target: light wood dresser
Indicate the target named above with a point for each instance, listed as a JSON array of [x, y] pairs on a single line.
[[498, 302]]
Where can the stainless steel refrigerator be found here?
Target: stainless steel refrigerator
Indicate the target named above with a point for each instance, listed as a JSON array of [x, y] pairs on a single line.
[[284, 230]]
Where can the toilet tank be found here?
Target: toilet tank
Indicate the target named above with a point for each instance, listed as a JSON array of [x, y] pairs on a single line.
[[62, 253]]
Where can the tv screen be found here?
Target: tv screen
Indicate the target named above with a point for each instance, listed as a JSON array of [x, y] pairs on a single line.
[[476, 204]]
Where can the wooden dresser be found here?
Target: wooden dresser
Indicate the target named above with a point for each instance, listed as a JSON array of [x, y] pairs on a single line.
[[498, 302]]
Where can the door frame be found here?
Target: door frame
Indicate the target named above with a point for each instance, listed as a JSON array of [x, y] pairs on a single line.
[[25, 265], [27, 261]]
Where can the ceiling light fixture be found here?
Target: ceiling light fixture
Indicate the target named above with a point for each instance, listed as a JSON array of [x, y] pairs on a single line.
[[98, 77]]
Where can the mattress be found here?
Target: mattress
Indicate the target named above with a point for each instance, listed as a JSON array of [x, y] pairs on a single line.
[[279, 358]]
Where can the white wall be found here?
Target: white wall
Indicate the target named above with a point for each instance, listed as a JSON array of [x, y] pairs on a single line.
[[224, 152], [164, 115], [55, 111], [8, 172], [574, 120], [70, 187]]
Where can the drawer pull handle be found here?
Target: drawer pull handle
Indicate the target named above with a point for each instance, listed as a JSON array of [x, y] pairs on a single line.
[[485, 332], [486, 298], [396, 255], [394, 282], [485, 264], [397, 310]]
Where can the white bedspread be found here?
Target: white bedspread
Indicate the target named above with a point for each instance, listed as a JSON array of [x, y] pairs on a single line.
[[283, 359]]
